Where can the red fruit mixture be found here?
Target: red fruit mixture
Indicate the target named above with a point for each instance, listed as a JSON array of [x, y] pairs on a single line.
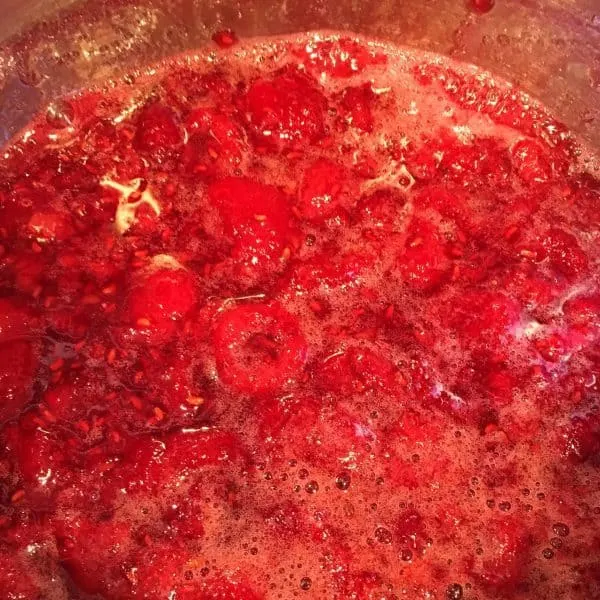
[[305, 319]]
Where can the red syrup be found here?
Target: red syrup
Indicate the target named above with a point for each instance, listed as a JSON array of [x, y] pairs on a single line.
[[299, 318]]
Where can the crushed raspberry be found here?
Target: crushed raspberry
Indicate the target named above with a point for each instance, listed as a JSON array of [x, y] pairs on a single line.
[[17, 368], [357, 104], [530, 162], [95, 554], [286, 111], [484, 316], [564, 253], [15, 580], [381, 210], [299, 318], [216, 144], [505, 555], [324, 190]]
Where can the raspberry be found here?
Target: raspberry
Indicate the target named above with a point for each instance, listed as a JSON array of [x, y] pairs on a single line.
[[49, 227], [357, 104], [381, 210], [157, 129], [357, 370], [159, 300], [583, 312], [16, 580], [185, 518], [423, 263], [531, 162], [325, 273], [286, 111], [580, 440], [304, 429], [483, 317], [220, 588], [43, 463], [564, 253], [323, 191], [158, 573], [152, 463], [17, 367], [216, 145], [259, 348], [257, 219], [410, 531]]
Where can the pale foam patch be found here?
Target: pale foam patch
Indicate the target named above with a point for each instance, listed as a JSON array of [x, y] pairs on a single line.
[[125, 215]]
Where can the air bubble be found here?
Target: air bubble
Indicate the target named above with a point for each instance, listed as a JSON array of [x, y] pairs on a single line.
[[305, 583], [342, 481], [454, 592], [560, 529], [383, 535], [312, 487]]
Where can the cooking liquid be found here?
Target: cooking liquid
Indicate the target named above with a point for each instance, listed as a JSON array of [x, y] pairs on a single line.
[[311, 317]]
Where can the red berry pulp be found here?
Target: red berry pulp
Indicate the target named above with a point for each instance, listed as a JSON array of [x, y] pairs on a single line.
[[300, 318]]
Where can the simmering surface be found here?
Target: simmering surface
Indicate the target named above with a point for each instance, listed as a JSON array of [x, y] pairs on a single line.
[[308, 318]]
